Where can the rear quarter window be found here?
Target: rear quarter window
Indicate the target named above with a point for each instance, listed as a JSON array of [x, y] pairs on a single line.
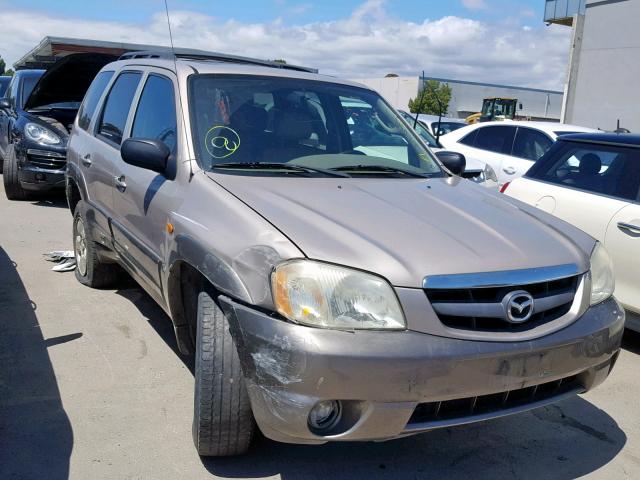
[[92, 98]]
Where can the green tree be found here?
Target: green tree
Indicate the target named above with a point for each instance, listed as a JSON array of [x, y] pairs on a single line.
[[9, 72], [2, 65], [433, 99]]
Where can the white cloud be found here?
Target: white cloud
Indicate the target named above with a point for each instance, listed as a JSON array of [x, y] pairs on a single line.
[[369, 43], [474, 4]]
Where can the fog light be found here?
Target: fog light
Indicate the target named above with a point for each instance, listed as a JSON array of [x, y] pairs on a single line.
[[325, 414], [40, 176]]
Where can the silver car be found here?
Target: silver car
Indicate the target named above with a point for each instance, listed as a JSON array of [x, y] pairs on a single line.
[[334, 279]]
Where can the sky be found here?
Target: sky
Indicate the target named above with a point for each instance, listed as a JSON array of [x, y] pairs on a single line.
[[497, 41]]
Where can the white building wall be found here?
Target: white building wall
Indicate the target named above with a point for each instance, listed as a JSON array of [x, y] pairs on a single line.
[[466, 97], [605, 82], [395, 90]]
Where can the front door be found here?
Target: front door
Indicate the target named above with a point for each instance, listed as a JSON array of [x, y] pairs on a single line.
[[142, 197]]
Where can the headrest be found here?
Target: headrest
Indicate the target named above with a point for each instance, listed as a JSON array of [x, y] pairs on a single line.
[[293, 125], [590, 164], [249, 117]]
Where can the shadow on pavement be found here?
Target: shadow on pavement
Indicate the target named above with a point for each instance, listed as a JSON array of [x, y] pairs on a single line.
[[563, 441], [156, 317], [55, 200], [35, 434], [631, 341]]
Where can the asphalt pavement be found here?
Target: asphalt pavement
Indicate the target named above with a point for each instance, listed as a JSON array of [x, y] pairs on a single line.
[[92, 387]]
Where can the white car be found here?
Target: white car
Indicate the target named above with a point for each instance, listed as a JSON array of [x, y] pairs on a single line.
[[593, 182], [475, 170], [510, 147]]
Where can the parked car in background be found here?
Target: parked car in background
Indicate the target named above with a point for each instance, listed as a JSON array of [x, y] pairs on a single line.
[[39, 108], [333, 280], [445, 124], [475, 170], [510, 147], [4, 83], [593, 182]]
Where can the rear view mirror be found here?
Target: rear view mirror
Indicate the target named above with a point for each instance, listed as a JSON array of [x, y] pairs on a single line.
[[5, 104], [453, 161], [146, 153]]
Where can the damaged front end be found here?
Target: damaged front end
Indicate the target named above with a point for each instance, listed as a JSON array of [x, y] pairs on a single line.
[[384, 385]]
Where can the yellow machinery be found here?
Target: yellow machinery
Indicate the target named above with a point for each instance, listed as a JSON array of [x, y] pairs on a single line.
[[495, 109]]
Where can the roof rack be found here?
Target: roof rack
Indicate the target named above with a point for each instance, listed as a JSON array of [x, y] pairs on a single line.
[[192, 54]]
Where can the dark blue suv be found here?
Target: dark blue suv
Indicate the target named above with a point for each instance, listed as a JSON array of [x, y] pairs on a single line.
[[38, 110]]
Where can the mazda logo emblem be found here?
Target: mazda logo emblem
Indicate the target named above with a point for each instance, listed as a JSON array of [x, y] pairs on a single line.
[[518, 306]]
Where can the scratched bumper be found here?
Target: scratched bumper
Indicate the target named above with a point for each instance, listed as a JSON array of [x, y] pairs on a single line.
[[382, 376]]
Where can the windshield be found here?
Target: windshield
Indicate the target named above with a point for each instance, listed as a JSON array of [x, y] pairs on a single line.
[[27, 87], [242, 120], [421, 130]]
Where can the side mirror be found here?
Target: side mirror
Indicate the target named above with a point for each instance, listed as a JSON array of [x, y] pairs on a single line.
[[453, 161], [146, 153], [5, 104]]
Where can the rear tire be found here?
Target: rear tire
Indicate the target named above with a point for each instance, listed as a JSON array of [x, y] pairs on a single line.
[[223, 423], [89, 270], [12, 188]]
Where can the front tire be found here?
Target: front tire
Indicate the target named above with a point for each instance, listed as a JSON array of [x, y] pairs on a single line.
[[12, 188], [223, 423], [89, 270]]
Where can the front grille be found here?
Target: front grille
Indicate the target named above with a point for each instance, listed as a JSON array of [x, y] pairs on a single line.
[[46, 160], [481, 309], [493, 403]]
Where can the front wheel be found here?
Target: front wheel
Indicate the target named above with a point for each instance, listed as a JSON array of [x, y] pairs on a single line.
[[12, 188], [223, 423]]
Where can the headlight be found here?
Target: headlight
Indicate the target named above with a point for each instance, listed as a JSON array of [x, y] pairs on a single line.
[[328, 296], [490, 173], [602, 280], [40, 134]]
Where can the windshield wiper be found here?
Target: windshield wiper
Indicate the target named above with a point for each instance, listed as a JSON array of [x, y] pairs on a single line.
[[382, 168], [278, 166]]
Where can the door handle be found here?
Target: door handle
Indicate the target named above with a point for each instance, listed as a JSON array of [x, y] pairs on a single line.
[[629, 227], [86, 160], [509, 170], [120, 183]]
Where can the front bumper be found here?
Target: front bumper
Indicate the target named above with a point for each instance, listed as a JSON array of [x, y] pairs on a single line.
[[381, 377], [41, 170]]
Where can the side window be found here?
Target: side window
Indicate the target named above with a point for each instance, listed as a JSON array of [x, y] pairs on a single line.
[[28, 84], [116, 107], [530, 144], [469, 139], [92, 97], [600, 169], [496, 139], [156, 114]]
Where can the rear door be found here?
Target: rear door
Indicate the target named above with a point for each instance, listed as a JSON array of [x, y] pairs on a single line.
[[142, 197], [109, 129], [529, 145], [623, 242], [93, 172]]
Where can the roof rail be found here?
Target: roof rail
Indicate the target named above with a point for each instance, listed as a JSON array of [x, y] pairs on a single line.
[[193, 54]]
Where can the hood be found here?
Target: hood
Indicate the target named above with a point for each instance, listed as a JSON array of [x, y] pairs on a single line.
[[68, 79], [406, 229]]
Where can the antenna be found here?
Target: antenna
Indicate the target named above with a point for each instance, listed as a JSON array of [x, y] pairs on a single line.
[[175, 63]]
